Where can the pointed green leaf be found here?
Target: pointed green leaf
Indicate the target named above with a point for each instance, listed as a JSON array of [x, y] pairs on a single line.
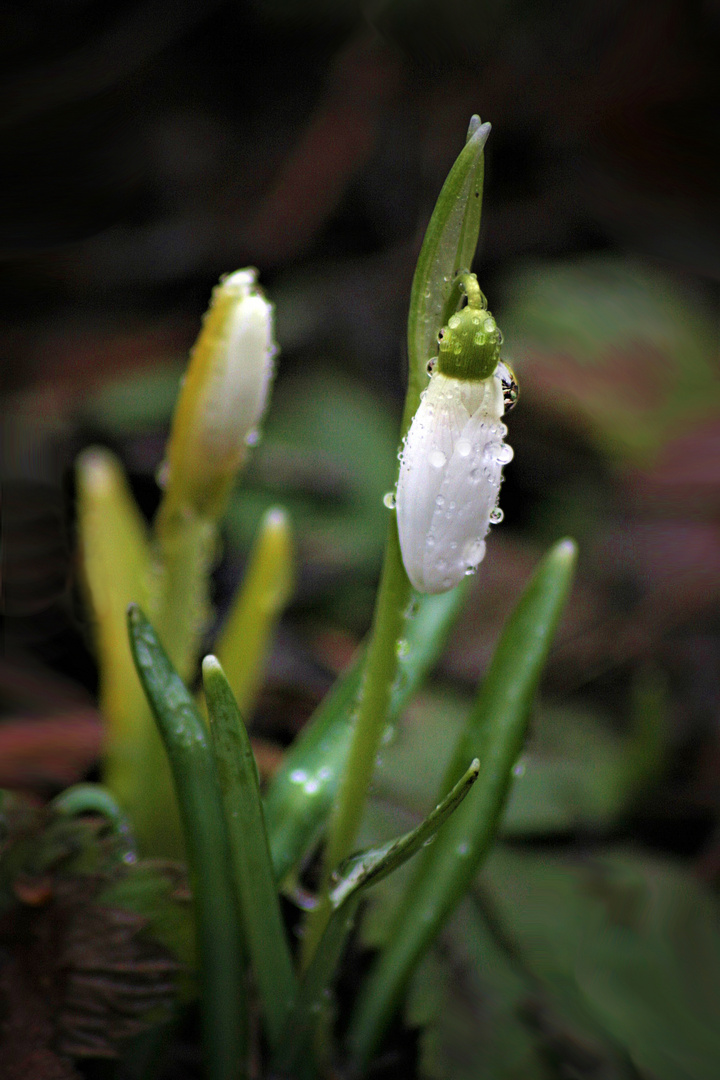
[[448, 248], [356, 874], [494, 732], [217, 925], [247, 634], [252, 869]]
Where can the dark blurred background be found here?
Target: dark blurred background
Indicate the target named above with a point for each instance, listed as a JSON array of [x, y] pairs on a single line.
[[148, 147]]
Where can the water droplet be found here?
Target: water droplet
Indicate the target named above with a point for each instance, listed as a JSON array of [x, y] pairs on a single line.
[[475, 476], [437, 459], [463, 447], [496, 515], [412, 609], [429, 841], [489, 325], [298, 776], [504, 454], [389, 500], [519, 768], [388, 734], [402, 648], [463, 848], [441, 565], [252, 438], [311, 786], [325, 773], [474, 552], [431, 365], [454, 322], [440, 501], [430, 541]]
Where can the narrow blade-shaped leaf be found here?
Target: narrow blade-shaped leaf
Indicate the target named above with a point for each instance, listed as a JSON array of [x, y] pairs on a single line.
[[495, 732], [448, 248], [250, 626], [116, 561], [356, 874], [219, 943], [252, 869]]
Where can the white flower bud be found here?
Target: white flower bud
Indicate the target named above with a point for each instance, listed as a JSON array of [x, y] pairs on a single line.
[[224, 394], [450, 476]]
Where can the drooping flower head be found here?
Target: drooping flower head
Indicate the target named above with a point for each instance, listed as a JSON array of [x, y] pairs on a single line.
[[452, 458]]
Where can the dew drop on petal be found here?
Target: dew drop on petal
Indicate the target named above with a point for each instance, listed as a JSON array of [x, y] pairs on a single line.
[[474, 552], [463, 447], [504, 454], [496, 515], [440, 501], [389, 500], [437, 459]]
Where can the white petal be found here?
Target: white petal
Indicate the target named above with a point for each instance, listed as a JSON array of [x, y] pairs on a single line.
[[449, 479]]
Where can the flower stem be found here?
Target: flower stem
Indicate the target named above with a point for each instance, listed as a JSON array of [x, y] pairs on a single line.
[[379, 676]]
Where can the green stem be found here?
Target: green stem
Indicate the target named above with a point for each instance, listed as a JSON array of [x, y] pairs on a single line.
[[380, 671], [186, 545]]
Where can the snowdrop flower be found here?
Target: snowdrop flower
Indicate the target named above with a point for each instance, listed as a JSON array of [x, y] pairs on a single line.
[[224, 395], [452, 458]]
